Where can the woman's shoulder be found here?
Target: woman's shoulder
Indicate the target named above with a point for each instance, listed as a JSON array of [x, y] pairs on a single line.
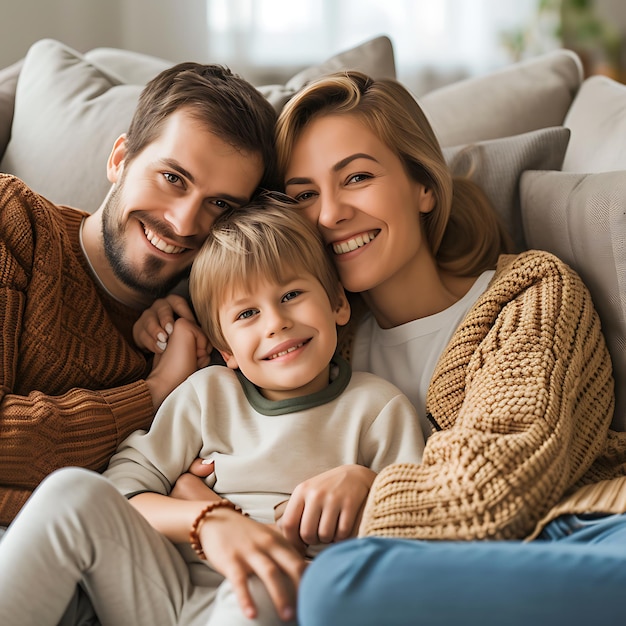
[[532, 266]]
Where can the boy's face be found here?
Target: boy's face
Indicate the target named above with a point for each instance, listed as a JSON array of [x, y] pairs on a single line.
[[282, 336]]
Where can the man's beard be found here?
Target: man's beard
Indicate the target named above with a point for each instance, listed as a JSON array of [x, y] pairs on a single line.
[[146, 280]]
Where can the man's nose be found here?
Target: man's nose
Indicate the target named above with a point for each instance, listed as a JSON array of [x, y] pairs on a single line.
[[185, 216]]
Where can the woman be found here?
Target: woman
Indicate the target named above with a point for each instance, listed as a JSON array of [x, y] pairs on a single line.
[[504, 357]]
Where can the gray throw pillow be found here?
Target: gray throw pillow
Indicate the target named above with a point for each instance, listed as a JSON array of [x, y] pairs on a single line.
[[524, 96], [581, 219], [8, 85], [497, 164]]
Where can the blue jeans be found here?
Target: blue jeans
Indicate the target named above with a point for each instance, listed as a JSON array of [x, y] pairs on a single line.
[[575, 573]]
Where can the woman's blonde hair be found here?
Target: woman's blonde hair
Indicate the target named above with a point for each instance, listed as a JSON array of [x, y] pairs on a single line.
[[463, 230], [267, 239]]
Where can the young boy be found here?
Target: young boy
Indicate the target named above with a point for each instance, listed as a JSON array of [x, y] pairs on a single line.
[[285, 408]]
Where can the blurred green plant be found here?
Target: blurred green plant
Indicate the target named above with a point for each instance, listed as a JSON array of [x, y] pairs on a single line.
[[572, 24]]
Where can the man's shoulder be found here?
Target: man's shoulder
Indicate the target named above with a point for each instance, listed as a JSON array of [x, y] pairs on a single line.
[[21, 205]]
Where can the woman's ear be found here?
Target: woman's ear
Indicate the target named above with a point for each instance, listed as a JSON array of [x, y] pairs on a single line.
[[342, 312], [426, 199], [115, 163]]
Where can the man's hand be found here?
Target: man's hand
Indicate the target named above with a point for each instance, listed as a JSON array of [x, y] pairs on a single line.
[[238, 547], [179, 361], [152, 330], [327, 507]]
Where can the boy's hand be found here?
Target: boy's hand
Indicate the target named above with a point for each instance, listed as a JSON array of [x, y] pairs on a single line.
[[327, 507], [152, 330], [179, 361], [238, 547]]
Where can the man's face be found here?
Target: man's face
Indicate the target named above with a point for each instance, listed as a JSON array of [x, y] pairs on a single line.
[[166, 199]]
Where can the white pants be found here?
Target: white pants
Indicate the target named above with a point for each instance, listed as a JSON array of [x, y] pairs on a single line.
[[77, 529]]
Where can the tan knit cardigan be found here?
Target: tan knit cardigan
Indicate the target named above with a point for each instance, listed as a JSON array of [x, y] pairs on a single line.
[[522, 398], [71, 382]]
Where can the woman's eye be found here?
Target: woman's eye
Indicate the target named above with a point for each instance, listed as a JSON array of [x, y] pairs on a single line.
[[358, 178], [305, 196], [291, 295], [245, 315]]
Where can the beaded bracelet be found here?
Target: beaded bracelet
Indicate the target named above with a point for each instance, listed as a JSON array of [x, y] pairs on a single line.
[[194, 539]]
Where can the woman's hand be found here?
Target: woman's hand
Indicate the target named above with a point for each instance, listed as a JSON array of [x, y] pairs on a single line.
[[238, 547], [152, 330], [327, 507], [178, 362]]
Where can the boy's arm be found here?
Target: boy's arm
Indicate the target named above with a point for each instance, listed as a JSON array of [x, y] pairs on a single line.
[[235, 545]]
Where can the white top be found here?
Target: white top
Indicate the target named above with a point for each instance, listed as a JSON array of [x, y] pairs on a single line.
[[262, 455], [407, 355]]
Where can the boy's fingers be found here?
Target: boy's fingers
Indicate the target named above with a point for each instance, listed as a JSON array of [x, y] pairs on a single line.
[[281, 585]]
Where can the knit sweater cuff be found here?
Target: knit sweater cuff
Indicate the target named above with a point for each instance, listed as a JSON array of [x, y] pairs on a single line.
[[131, 406]]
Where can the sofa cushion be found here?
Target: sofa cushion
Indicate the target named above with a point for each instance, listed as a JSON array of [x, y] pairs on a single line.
[[598, 124], [524, 96], [8, 83], [70, 108], [581, 219], [497, 164]]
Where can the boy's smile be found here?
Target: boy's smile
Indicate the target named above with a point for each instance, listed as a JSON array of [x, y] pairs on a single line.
[[282, 336]]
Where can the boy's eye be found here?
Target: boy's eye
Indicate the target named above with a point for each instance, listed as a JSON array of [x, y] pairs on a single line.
[[244, 315], [290, 295]]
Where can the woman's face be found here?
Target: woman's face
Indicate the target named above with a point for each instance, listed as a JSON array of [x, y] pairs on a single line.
[[356, 190]]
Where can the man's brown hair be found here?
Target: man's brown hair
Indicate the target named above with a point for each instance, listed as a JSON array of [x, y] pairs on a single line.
[[228, 105]]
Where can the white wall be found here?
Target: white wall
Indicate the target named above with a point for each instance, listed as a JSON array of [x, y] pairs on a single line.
[[81, 24], [172, 29]]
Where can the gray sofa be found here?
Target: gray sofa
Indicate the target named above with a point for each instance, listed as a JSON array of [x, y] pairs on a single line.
[[547, 145]]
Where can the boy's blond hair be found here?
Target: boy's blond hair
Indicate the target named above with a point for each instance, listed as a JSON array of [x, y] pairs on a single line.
[[267, 239]]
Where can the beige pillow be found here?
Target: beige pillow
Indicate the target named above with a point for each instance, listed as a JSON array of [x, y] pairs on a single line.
[[496, 165], [598, 126], [515, 99], [581, 219], [70, 108]]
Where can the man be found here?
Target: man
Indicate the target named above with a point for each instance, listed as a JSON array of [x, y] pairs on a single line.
[[73, 384]]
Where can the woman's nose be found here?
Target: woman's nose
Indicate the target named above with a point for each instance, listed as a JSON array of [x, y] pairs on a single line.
[[332, 210]]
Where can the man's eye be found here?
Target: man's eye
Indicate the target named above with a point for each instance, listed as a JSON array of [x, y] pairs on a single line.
[[291, 295], [171, 178], [222, 204], [244, 315]]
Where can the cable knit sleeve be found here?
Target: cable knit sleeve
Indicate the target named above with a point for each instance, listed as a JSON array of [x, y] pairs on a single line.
[[49, 363], [523, 396]]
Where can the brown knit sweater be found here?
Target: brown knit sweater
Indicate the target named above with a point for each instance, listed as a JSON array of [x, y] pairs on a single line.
[[523, 398], [72, 383]]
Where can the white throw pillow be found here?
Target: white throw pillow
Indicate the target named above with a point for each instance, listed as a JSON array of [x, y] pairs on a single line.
[[581, 219], [598, 124], [70, 108]]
